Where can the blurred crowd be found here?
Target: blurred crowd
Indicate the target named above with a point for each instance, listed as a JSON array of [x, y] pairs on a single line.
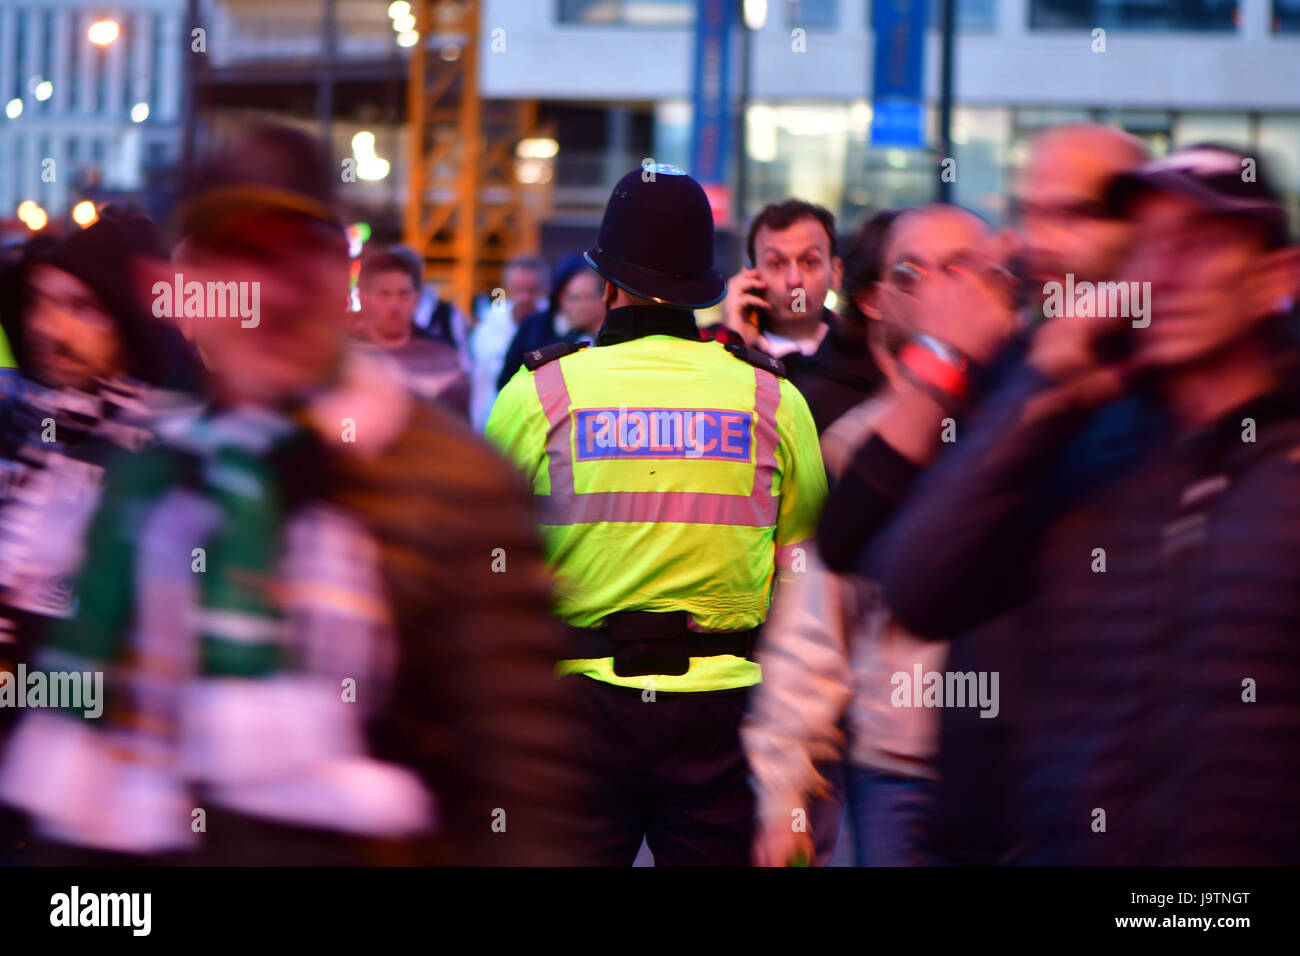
[[1063, 473]]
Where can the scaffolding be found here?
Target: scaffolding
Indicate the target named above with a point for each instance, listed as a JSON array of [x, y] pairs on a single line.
[[466, 211]]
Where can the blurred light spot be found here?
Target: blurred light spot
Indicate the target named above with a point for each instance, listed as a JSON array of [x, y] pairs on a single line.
[[84, 213]]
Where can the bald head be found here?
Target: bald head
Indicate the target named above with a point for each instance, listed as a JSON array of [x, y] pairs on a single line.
[[1083, 159], [1061, 191]]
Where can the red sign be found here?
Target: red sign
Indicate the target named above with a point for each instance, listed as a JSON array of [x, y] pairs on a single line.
[[719, 201]]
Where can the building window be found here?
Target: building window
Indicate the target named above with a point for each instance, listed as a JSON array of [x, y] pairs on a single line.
[[99, 73], [157, 33], [1279, 143], [1286, 16], [74, 65], [812, 14], [972, 15], [976, 16], [16, 173], [47, 188], [1208, 15], [20, 57], [638, 13]]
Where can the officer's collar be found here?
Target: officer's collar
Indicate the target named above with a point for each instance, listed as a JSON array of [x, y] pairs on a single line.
[[637, 321]]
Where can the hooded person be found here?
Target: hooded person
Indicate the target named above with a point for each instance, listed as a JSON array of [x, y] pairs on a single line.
[[101, 373]]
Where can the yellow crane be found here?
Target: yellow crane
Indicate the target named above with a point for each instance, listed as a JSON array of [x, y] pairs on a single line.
[[465, 212]]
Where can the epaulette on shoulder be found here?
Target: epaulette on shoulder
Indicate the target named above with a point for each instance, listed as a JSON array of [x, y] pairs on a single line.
[[538, 357], [758, 359]]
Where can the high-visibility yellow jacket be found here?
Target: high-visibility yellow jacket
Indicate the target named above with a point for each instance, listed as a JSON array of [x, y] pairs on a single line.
[[672, 476], [10, 383], [6, 355]]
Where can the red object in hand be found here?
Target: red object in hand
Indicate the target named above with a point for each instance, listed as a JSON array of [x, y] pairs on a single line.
[[937, 366]]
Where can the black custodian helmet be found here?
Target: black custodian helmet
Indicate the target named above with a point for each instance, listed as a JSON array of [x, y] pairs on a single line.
[[656, 239]]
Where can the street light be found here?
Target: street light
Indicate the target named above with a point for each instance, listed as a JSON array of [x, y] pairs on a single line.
[[103, 32], [84, 213], [370, 166], [33, 215]]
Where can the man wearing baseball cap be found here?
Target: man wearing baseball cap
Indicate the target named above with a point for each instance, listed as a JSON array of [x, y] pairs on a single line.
[[1126, 508], [675, 478], [285, 593]]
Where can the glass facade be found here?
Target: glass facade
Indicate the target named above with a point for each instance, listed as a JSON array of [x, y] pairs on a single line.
[[812, 14], [1203, 15], [641, 13], [820, 151], [976, 16], [1278, 144], [1286, 16], [972, 15]]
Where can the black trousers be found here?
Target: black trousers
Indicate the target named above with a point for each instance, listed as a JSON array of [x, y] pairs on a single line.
[[671, 770]]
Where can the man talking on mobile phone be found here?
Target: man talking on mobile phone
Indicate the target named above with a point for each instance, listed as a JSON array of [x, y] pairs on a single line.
[[778, 306]]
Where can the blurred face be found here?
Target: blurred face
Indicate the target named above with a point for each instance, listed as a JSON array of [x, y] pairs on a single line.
[[1212, 280], [303, 289], [1062, 220], [73, 339], [921, 243], [524, 289], [388, 303], [798, 268], [583, 302]]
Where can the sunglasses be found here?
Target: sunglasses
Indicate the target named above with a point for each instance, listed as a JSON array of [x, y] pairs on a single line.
[[907, 276]]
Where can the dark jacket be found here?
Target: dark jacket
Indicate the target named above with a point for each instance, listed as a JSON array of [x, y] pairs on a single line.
[[838, 376], [538, 330], [477, 710], [535, 332], [1124, 691]]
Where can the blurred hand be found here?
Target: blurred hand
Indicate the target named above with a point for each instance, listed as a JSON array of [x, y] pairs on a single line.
[[968, 307], [744, 291], [1071, 350], [778, 845]]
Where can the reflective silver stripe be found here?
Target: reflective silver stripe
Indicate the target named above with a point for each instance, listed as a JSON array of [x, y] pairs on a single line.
[[756, 510]]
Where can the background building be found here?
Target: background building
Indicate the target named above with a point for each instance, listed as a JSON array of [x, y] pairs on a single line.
[[84, 119], [1174, 72], [607, 83]]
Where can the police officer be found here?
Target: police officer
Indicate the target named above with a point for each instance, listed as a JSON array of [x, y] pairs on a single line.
[[677, 478]]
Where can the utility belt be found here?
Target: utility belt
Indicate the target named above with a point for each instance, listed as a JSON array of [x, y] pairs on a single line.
[[650, 642]]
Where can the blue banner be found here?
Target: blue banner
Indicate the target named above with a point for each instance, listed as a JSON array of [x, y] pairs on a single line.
[[710, 120], [897, 96]]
